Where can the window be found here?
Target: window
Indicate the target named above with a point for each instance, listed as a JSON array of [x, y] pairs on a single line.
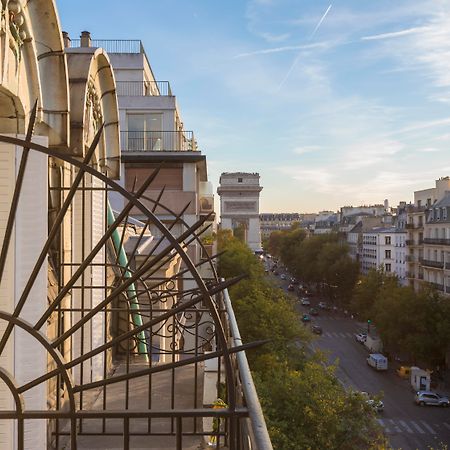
[[387, 240], [387, 254], [444, 213], [144, 132], [419, 203], [239, 180], [437, 213], [388, 267]]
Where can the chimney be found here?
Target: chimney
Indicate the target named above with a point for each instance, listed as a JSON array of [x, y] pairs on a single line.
[[85, 39], [66, 39]]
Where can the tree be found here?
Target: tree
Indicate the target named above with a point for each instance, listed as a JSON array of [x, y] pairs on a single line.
[[304, 404]]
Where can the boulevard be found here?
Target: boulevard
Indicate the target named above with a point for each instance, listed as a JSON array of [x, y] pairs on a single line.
[[407, 426]]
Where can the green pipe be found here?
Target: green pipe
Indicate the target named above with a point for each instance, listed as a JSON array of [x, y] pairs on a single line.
[[131, 290]]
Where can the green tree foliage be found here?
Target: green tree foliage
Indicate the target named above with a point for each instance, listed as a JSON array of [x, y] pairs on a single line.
[[304, 405], [321, 259], [416, 324], [308, 409]]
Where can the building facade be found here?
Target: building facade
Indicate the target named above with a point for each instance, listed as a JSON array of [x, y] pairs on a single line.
[[239, 205], [77, 345], [425, 258], [385, 248], [270, 222]]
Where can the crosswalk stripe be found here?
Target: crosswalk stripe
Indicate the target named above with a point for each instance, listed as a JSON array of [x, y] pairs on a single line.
[[414, 424], [350, 335], [446, 425], [342, 335], [385, 427], [428, 427], [396, 427], [336, 334], [404, 425]]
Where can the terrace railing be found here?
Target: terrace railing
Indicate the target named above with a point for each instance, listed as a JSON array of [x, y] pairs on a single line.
[[143, 88], [154, 141], [114, 45]]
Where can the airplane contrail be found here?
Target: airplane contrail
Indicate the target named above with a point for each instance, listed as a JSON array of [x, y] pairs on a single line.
[[298, 56], [320, 21]]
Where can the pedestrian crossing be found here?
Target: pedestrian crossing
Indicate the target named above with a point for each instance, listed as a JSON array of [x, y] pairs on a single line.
[[335, 335], [392, 426]]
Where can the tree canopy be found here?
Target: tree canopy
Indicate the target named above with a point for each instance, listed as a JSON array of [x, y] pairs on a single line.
[[304, 404]]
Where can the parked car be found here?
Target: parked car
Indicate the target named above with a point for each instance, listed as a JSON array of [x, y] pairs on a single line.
[[290, 287], [323, 305], [361, 337], [376, 404], [316, 329], [423, 398], [294, 281], [305, 302], [306, 318], [314, 312]]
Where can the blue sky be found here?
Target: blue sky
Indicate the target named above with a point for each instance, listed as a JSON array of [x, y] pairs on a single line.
[[333, 106]]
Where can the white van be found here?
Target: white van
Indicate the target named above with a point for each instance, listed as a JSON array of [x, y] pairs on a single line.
[[377, 361]]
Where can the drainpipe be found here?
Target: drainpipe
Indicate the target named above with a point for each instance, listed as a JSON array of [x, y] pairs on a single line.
[[131, 290]]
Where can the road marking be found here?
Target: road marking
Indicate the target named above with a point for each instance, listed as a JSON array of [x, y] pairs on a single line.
[[428, 427], [350, 335], [404, 425], [343, 335], [396, 427], [336, 334], [446, 425], [385, 427], [414, 424]]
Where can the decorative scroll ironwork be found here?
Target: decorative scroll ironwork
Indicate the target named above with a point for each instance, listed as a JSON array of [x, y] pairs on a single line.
[[107, 387]]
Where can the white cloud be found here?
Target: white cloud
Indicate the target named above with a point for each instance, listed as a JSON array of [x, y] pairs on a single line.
[[306, 149]]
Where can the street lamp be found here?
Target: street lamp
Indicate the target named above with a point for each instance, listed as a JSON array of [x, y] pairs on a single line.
[[368, 326]]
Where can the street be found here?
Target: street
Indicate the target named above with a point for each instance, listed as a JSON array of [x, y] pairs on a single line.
[[406, 425]]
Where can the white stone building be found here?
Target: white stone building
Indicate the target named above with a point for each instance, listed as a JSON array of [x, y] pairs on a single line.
[[239, 205], [271, 222], [426, 253], [385, 248]]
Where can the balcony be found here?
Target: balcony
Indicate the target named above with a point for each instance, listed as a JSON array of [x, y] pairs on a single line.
[[432, 264], [409, 241], [143, 88], [114, 45], [158, 141], [410, 258], [410, 275], [436, 241], [439, 287]]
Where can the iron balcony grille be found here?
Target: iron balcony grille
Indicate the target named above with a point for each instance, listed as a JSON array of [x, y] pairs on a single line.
[[113, 45], [436, 241], [126, 368], [143, 88], [156, 141], [434, 264]]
